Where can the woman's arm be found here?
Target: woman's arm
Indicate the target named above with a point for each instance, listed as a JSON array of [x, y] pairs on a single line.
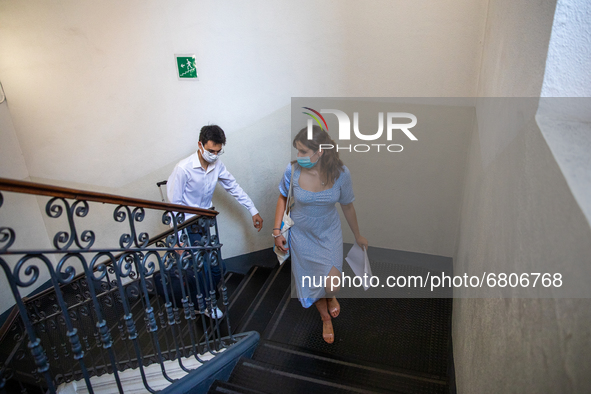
[[280, 241], [351, 216]]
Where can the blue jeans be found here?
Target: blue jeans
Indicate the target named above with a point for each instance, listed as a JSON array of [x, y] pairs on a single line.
[[203, 279]]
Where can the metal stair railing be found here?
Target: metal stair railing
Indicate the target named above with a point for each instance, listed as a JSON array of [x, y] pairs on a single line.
[[102, 312]]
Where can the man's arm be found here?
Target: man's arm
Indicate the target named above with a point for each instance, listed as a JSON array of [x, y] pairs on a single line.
[[228, 182], [175, 186]]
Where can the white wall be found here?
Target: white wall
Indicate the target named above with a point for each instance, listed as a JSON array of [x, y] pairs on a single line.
[[96, 103], [519, 215], [569, 54], [515, 46], [411, 200], [92, 84], [564, 115], [408, 200], [11, 156], [21, 213]]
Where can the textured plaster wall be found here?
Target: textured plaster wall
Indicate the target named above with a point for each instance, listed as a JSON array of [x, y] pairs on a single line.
[[569, 56], [564, 115], [569, 138], [519, 215], [515, 45]]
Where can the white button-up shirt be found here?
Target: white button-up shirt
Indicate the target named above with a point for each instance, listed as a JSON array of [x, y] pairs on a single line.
[[191, 185]]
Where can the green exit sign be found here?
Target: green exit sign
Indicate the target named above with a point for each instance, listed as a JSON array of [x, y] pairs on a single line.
[[186, 67]]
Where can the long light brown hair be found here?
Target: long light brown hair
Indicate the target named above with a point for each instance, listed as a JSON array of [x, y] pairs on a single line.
[[330, 163]]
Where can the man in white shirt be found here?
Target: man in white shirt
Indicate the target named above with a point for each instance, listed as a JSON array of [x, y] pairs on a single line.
[[193, 181]]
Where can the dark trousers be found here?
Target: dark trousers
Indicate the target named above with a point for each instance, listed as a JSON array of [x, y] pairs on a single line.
[[189, 280]]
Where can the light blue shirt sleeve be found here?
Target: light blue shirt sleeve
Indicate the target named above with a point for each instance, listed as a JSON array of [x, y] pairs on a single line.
[[347, 196], [284, 183]]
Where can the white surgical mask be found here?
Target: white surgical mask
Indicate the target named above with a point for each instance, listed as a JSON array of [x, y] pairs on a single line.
[[208, 156]]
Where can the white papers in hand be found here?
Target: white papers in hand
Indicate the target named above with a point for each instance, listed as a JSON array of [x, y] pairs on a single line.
[[359, 263]]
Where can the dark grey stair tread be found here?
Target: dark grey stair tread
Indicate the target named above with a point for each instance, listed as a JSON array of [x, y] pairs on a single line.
[[268, 299], [404, 333], [350, 372], [277, 315], [246, 293], [272, 379], [232, 281], [240, 298], [231, 388]]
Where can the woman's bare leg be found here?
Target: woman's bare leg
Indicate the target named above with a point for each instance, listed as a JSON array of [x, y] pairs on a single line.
[[334, 308]]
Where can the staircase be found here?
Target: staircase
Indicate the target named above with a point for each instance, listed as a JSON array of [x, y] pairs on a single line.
[[386, 345], [100, 314], [106, 316], [394, 345]]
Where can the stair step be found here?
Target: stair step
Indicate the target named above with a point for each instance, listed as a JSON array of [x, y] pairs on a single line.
[[233, 280], [165, 338], [344, 371], [272, 379], [261, 311], [231, 388], [401, 334], [246, 292], [243, 290]]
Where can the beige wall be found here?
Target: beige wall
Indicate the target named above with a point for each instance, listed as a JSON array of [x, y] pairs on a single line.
[[519, 215]]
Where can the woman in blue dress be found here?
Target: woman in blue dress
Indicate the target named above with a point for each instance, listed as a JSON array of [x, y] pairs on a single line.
[[320, 180]]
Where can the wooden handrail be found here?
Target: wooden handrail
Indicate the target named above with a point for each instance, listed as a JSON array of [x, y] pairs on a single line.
[[12, 185]]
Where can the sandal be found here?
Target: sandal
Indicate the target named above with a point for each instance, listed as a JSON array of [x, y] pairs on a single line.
[[334, 310], [327, 330]]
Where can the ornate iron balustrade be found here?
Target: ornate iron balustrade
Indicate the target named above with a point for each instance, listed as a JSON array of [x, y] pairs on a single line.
[[111, 316]]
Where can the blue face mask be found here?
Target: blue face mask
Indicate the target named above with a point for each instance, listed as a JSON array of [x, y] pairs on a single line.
[[305, 161]]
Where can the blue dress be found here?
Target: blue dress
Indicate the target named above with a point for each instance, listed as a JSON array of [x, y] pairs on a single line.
[[316, 239]]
